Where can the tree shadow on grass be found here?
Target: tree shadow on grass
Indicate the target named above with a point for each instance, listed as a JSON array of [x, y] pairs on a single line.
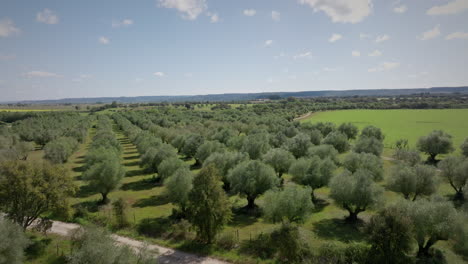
[[144, 184], [154, 200], [79, 169], [85, 191], [242, 220], [132, 157], [154, 227], [339, 229], [319, 205], [90, 206], [132, 153], [196, 247], [132, 163], [137, 172]]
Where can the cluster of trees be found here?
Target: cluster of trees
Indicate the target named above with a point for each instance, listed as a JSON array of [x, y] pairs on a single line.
[[48, 126], [60, 149], [104, 170], [12, 147]]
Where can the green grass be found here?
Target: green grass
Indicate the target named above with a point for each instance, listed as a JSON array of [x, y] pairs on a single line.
[[402, 123]]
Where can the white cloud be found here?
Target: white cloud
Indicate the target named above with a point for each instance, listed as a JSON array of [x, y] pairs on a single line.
[[344, 11], [268, 43], [457, 35], [356, 53], [159, 74], [250, 12], [450, 8], [375, 53], [275, 15], [385, 66], [82, 77], [382, 38], [8, 28], [400, 9], [124, 23], [214, 18], [188, 75], [41, 74], [305, 55], [47, 16], [190, 9], [5, 57], [335, 37], [104, 40], [430, 34], [328, 69]]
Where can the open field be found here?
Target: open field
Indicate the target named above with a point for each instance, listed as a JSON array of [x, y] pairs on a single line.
[[402, 123]]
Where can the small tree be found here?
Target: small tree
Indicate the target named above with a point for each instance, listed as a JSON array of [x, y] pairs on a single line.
[[105, 176], [154, 156], [355, 192], [372, 131], [206, 149], [279, 159], [455, 171], [170, 165], [178, 186], [209, 208], [364, 161], [299, 145], [437, 142], [13, 242], [224, 162], [368, 145], [413, 182], [292, 204], [29, 190], [464, 148], [191, 144], [409, 157], [338, 140], [324, 151], [313, 172], [251, 179], [121, 212], [390, 234], [349, 130], [256, 145]]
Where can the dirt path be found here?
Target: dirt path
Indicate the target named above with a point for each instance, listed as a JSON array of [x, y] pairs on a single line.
[[303, 116], [166, 255]]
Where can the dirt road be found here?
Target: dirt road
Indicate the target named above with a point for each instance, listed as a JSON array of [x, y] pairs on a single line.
[[166, 255]]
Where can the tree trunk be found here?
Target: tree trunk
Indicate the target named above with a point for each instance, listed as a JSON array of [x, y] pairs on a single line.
[[352, 216], [459, 196], [251, 202], [104, 200], [432, 158], [312, 194], [423, 251]]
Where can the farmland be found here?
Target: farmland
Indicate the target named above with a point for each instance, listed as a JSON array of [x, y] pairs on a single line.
[[402, 123]]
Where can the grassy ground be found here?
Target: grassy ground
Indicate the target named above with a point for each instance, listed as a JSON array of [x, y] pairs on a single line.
[[402, 123]]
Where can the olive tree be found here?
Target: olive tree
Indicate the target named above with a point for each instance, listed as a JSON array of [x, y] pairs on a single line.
[[372, 131], [364, 161], [368, 145], [178, 186], [313, 172], [105, 176], [324, 151], [293, 204], [256, 145], [224, 162], [464, 148], [437, 142], [206, 149], [355, 192], [251, 179], [413, 182], [409, 157], [209, 208], [170, 165], [29, 190], [455, 171], [191, 144], [13, 242], [349, 130], [279, 159], [338, 140], [299, 145], [154, 156], [59, 150]]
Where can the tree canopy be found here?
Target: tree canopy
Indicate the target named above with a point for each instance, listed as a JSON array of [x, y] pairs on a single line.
[[437, 142], [293, 204]]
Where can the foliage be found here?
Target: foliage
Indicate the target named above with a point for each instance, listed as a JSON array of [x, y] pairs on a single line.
[[409, 157], [155, 156], [59, 150], [293, 204], [349, 130], [29, 190], [370, 145], [191, 144], [279, 159], [105, 176], [437, 142], [299, 145], [313, 172], [364, 161], [413, 182], [355, 192], [178, 186], [206, 149], [256, 145], [13, 242], [338, 140], [455, 171], [224, 162], [251, 179], [372, 131], [120, 207], [170, 165], [464, 147], [324, 151], [209, 208], [390, 234]]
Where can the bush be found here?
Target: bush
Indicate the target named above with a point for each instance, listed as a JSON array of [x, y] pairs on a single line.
[[12, 242], [227, 241]]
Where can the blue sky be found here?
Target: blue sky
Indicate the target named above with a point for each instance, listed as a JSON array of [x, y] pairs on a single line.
[[87, 48]]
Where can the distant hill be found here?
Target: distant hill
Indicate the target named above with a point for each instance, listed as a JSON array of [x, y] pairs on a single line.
[[253, 96]]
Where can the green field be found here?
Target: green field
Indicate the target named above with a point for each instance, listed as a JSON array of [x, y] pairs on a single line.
[[402, 123]]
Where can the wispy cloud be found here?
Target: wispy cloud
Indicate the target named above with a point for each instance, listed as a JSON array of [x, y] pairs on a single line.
[[268, 43], [304, 55], [385, 66], [375, 53], [382, 38], [457, 35], [159, 74], [104, 40], [335, 37], [275, 15], [47, 16], [430, 34], [356, 53], [8, 28], [343, 11], [122, 23], [41, 74], [250, 12], [451, 8], [400, 9], [190, 9]]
